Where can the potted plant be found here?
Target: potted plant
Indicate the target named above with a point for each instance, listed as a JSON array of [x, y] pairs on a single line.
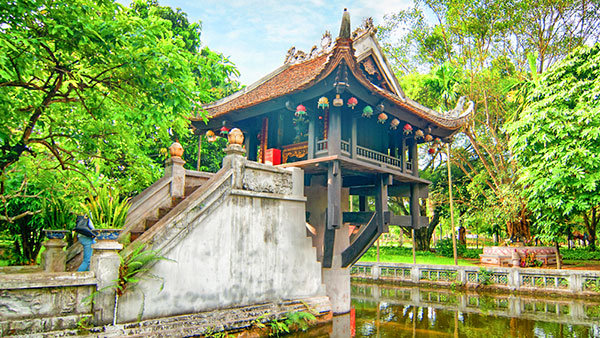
[[108, 213], [58, 219]]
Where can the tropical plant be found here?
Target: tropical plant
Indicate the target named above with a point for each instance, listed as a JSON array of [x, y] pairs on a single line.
[[57, 215], [557, 142], [107, 210]]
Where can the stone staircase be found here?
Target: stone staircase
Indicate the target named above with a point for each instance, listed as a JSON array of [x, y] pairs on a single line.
[[161, 212]]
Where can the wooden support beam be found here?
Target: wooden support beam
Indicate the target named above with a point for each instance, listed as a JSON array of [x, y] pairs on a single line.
[[400, 190], [362, 203], [334, 134], [357, 217], [312, 137], [328, 244], [334, 195], [381, 206], [415, 211]]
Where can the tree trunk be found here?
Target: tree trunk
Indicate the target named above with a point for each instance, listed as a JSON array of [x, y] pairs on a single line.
[[423, 235]]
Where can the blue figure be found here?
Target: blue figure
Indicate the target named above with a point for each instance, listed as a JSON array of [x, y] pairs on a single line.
[[86, 238]]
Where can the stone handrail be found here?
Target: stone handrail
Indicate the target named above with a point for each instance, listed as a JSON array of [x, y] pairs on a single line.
[[517, 279]]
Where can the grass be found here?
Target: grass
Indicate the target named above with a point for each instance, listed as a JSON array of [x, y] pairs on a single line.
[[404, 255]]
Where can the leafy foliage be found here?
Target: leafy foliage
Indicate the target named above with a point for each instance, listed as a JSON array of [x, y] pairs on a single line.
[[444, 247], [557, 141], [107, 209]]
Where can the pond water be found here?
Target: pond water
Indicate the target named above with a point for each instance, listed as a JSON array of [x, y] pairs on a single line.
[[396, 311]]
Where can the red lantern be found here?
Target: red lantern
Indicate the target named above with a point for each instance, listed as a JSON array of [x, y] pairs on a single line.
[[382, 118], [300, 110], [352, 102], [224, 130], [408, 129]]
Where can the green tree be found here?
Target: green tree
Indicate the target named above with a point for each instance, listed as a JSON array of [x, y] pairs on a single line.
[[556, 139], [489, 41]]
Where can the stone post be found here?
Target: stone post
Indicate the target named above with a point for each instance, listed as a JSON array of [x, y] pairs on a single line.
[[174, 169], [105, 265], [235, 156], [55, 258]]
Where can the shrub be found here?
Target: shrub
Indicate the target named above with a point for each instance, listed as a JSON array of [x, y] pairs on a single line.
[[444, 248], [579, 254], [472, 253]]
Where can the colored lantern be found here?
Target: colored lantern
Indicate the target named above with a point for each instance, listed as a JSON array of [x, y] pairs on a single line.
[[407, 129], [394, 124], [300, 110], [437, 141], [419, 134], [431, 151], [338, 102], [210, 136], [381, 118], [367, 111], [323, 103], [380, 107], [352, 102], [224, 130], [428, 138]]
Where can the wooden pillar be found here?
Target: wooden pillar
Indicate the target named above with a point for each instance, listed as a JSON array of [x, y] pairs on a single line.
[[198, 165], [403, 154], [381, 207], [362, 203], [415, 212], [311, 136], [264, 139], [414, 154], [334, 195], [354, 138], [334, 135]]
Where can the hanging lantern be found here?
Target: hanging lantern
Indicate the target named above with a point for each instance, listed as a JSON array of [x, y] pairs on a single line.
[[352, 102], [210, 136], [338, 102], [380, 107], [300, 110], [394, 124], [323, 103], [428, 138], [407, 129], [224, 130], [381, 118], [437, 141], [431, 151], [367, 111], [419, 134]]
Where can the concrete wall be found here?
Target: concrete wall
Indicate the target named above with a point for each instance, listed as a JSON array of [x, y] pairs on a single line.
[[39, 301], [241, 241]]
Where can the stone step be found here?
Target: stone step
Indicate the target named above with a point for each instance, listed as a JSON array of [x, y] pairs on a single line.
[[149, 222], [189, 190], [163, 211], [135, 235]]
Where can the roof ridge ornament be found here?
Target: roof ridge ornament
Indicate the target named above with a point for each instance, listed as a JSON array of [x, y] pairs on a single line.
[[345, 26], [460, 110], [295, 56], [366, 27]]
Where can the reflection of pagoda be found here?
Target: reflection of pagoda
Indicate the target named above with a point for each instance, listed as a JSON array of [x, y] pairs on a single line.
[[361, 135]]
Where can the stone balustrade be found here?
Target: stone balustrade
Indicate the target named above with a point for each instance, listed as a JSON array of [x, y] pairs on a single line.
[[517, 279]]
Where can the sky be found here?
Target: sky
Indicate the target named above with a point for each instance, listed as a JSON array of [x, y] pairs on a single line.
[[256, 35]]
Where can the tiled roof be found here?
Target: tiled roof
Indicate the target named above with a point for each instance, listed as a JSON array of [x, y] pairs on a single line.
[[292, 78]]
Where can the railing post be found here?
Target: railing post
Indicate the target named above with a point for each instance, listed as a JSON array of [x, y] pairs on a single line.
[[354, 138], [415, 274], [575, 282], [375, 271], [174, 168]]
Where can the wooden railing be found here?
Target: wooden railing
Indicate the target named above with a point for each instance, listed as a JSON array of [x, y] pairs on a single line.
[[345, 147], [377, 157], [321, 145]]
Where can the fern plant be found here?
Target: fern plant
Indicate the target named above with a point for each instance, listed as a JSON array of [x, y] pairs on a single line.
[[107, 210]]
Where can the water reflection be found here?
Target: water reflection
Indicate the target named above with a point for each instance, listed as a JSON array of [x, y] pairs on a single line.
[[394, 311]]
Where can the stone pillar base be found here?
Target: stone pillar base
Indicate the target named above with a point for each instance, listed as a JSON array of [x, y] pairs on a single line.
[[54, 257]]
